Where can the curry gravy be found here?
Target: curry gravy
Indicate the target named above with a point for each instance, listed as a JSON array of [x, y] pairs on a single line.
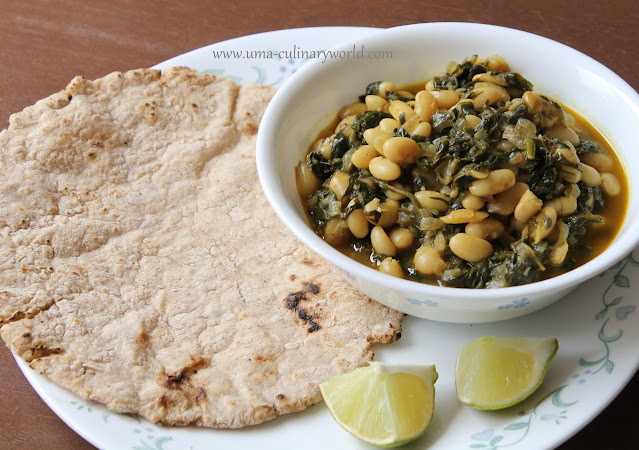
[[597, 238]]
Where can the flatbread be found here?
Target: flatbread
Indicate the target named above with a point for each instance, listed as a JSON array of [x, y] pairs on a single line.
[[142, 267]]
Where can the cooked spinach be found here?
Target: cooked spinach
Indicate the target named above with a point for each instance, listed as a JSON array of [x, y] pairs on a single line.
[[586, 146], [370, 119], [467, 141], [459, 75]]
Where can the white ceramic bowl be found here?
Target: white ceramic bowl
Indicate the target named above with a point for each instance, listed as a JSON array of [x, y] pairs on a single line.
[[310, 99]]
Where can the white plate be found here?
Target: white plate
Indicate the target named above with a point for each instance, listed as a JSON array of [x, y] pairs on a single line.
[[596, 325]]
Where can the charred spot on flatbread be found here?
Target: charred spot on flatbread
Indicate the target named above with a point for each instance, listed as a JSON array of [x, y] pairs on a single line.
[[41, 351], [176, 379], [200, 397], [304, 312]]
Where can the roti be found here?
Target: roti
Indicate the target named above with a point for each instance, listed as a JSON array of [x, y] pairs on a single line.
[[143, 268]]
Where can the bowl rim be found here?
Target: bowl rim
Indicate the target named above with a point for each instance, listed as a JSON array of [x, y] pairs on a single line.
[[624, 242]]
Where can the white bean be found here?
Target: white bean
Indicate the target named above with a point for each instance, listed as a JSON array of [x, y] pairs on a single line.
[[401, 237], [425, 105], [558, 254], [353, 109], [362, 156], [390, 210], [470, 248], [505, 202], [423, 129], [400, 111], [497, 181], [489, 229], [401, 150], [375, 102], [543, 224], [472, 120], [610, 184], [358, 223], [306, 181], [384, 169], [463, 216], [445, 98], [392, 267], [564, 205], [336, 232], [528, 206], [603, 162], [428, 261], [470, 201], [563, 133], [381, 242], [339, 184], [385, 87], [590, 175], [388, 125], [432, 200]]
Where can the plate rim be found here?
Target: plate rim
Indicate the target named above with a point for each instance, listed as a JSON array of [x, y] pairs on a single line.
[[36, 382]]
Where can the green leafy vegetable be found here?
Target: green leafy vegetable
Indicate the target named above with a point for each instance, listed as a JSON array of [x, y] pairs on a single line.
[[466, 143]]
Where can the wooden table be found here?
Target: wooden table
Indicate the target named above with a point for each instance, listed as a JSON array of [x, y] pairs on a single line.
[[44, 43]]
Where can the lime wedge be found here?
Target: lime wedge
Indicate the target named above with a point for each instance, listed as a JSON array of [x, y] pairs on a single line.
[[498, 372], [381, 404]]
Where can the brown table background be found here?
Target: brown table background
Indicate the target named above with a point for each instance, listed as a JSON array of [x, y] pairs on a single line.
[[44, 43]]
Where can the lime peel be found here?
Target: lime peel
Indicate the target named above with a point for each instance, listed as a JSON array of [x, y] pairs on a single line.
[[498, 372], [384, 405]]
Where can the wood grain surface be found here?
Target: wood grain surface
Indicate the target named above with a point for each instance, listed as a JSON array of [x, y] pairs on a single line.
[[45, 43]]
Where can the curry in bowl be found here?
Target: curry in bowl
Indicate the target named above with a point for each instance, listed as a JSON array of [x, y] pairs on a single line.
[[471, 179]]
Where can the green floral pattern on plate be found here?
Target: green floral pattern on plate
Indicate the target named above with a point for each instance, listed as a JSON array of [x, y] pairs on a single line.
[[620, 281], [611, 301], [519, 430]]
